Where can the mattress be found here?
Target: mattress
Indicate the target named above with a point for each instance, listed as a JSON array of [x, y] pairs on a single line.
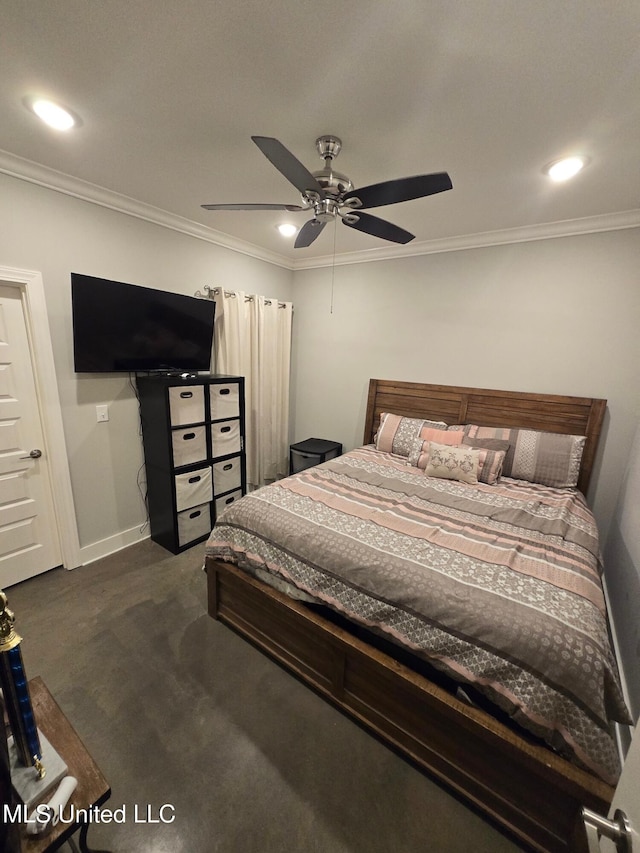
[[498, 586]]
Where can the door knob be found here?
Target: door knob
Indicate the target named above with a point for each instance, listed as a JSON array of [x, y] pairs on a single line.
[[34, 454], [617, 830]]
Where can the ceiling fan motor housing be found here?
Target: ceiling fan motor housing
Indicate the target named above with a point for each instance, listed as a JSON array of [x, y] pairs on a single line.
[[333, 183]]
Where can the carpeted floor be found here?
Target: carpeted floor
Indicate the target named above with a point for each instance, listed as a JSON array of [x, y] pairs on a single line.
[[176, 709]]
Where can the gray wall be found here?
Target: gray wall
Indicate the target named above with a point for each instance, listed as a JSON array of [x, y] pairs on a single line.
[[57, 234], [622, 559], [556, 316]]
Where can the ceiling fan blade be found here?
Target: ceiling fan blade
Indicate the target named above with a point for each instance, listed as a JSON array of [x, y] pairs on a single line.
[[377, 227], [288, 165], [402, 189], [292, 207], [308, 233]]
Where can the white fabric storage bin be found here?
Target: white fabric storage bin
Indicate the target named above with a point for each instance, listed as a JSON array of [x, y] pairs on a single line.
[[227, 475], [194, 523], [227, 500], [186, 404], [225, 438], [189, 445], [224, 399], [193, 488]]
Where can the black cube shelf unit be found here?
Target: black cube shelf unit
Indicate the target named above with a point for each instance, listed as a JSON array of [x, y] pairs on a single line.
[[193, 433]]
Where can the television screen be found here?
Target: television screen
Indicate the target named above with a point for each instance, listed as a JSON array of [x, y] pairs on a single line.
[[125, 327]]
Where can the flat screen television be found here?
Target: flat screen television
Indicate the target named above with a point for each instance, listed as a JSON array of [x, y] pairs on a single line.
[[125, 327]]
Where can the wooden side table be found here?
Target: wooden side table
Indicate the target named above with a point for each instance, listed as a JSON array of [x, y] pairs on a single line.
[[93, 789]]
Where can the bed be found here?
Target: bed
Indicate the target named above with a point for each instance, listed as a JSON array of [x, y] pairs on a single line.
[[526, 743]]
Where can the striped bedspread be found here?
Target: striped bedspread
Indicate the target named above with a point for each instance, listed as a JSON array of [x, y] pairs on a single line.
[[498, 586]]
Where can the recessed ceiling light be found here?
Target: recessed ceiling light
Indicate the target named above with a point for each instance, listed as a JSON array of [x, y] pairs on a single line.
[[287, 230], [52, 114], [562, 170]]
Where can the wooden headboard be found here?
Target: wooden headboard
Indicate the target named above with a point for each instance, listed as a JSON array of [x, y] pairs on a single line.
[[458, 405]]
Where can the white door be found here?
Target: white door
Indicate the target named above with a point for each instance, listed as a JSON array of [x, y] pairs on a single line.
[[29, 541], [627, 799]]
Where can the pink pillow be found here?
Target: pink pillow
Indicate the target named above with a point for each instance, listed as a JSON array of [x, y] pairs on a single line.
[[442, 436]]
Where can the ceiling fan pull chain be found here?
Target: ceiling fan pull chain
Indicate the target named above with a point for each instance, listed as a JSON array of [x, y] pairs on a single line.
[[333, 265]]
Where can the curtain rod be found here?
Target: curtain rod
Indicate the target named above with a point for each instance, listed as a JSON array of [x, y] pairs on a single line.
[[210, 292]]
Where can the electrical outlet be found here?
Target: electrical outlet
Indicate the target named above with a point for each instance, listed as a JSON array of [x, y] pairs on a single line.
[[102, 414]]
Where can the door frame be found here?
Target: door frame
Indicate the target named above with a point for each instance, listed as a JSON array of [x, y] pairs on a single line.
[[31, 287]]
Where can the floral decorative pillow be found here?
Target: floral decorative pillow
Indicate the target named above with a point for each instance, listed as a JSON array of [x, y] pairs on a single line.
[[451, 462], [419, 454]]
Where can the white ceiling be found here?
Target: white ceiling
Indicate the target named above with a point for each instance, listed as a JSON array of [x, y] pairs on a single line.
[[170, 93]]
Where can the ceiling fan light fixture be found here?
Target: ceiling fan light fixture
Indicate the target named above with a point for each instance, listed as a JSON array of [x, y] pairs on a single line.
[[52, 114], [287, 229], [568, 167]]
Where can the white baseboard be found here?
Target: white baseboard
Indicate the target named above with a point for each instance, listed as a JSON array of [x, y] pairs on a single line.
[[104, 547], [623, 733]]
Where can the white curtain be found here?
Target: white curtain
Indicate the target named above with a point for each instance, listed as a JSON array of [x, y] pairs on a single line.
[[253, 339]]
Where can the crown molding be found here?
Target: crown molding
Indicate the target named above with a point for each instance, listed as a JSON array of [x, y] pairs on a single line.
[[35, 173], [43, 176], [524, 234]]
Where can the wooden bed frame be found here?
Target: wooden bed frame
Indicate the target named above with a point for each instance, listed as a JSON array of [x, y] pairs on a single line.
[[527, 790]]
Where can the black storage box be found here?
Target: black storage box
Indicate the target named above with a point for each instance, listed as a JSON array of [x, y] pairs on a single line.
[[310, 452]]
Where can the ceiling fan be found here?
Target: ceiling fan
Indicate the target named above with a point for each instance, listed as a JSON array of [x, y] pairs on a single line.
[[329, 194]]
